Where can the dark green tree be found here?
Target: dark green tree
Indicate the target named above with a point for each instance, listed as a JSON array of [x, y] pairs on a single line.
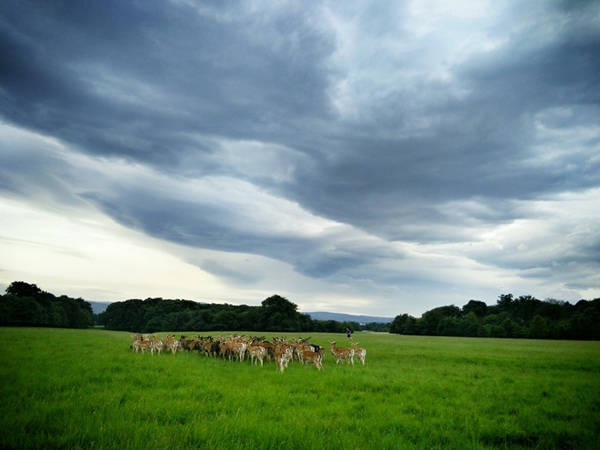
[[404, 324], [469, 324], [539, 328], [585, 322], [377, 326], [279, 314], [449, 326], [27, 304], [429, 322], [505, 303], [22, 289], [479, 308], [328, 326]]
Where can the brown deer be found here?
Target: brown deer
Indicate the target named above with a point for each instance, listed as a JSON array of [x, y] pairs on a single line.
[[342, 354]]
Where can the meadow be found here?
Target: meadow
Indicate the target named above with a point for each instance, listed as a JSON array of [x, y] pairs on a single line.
[[86, 389]]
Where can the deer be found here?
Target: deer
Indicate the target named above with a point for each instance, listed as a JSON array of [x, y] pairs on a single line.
[[312, 357], [342, 354], [281, 358], [257, 353], [360, 353]]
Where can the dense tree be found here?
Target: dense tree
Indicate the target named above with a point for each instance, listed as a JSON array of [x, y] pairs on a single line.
[[429, 324], [539, 328], [479, 308], [523, 317], [449, 326], [585, 322], [26, 304], [328, 326], [275, 314], [505, 303], [279, 314], [376, 326], [24, 290], [404, 324], [469, 324]]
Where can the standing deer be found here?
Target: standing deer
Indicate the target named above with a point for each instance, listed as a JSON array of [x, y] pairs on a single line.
[[342, 354]]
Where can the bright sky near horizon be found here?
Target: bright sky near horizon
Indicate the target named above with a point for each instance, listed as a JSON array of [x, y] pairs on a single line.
[[374, 158]]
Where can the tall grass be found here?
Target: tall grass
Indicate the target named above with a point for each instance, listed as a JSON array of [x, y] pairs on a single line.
[[86, 389]]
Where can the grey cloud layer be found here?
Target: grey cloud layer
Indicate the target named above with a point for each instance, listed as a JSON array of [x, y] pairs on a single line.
[[358, 118], [100, 75]]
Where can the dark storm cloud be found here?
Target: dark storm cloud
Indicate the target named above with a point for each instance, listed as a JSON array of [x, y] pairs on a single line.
[[477, 147], [134, 79]]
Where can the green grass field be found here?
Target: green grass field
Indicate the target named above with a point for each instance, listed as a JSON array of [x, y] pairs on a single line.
[[86, 389]]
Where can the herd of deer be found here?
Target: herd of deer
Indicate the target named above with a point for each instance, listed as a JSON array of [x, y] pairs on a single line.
[[255, 349]]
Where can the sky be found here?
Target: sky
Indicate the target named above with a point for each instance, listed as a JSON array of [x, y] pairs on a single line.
[[359, 157]]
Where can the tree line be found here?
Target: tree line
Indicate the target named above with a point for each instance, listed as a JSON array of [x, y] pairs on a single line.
[[275, 314], [522, 317], [26, 304]]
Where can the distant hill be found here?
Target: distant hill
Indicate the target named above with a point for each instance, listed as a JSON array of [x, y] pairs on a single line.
[[321, 315], [98, 307]]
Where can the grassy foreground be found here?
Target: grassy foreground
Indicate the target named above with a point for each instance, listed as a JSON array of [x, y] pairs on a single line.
[[86, 389]]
